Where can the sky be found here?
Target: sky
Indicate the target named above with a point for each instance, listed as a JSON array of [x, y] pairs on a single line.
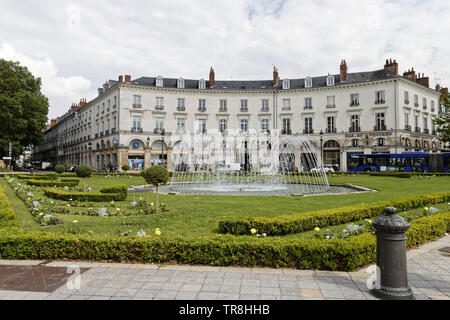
[[75, 46]]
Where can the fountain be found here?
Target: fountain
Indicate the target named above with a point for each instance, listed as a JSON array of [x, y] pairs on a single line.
[[250, 163]]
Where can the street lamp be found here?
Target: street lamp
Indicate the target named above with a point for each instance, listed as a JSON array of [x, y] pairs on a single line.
[[321, 148], [148, 141], [163, 133]]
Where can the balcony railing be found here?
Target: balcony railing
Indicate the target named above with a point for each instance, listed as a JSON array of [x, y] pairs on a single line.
[[433, 109], [244, 109], [159, 107], [380, 101], [106, 132], [307, 108], [222, 109], [158, 130], [202, 109], [406, 101], [101, 134], [330, 106], [137, 105], [113, 130], [330, 130], [286, 131], [136, 130], [426, 131], [181, 109], [433, 132], [96, 135], [424, 107], [354, 104], [416, 104], [417, 129], [308, 131], [264, 109], [407, 128], [354, 129], [380, 128]]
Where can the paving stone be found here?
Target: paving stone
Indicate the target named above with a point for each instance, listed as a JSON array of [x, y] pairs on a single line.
[[191, 287], [290, 292], [78, 297], [230, 289], [271, 291], [232, 282], [186, 295], [270, 284], [311, 293], [166, 295], [57, 296], [215, 275], [291, 297], [250, 290], [211, 288], [251, 283], [171, 286], [153, 285], [270, 297], [99, 298], [227, 296], [87, 291], [332, 294], [308, 284], [110, 292], [115, 284], [126, 276], [249, 297], [126, 292], [134, 285], [233, 276], [213, 281], [207, 295], [194, 280], [146, 293], [289, 284]]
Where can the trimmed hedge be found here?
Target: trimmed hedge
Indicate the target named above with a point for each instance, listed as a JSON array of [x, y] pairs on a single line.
[[336, 254], [54, 183], [7, 216], [83, 196], [122, 190], [302, 222], [392, 174]]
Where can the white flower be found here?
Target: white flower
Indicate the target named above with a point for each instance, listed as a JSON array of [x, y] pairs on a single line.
[[36, 204], [264, 235], [47, 217], [66, 188], [102, 212], [352, 227], [433, 210], [141, 233], [133, 204], [89, 189], [29, 194]]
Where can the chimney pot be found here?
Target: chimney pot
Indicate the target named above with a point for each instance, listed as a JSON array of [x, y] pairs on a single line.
[[120, 78], [275, 76], [343, 71], [212, 76], [127, 78]]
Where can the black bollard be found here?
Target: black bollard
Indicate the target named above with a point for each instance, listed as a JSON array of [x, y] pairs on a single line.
[[392, 273]]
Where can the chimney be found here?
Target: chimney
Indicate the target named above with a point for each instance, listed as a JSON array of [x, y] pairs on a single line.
[[127, 78], [391, 66], [120, 78], [275, 76], [211, 78], [444, 91], [410, 74], [343, 71], [100, 91], [438, 87], [424, 81], [82, 102]]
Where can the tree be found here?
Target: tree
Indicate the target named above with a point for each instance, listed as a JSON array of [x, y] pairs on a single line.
[[23, 108], [156, 175], [83, 171], [443, 121], [125, 167], [59, 169]]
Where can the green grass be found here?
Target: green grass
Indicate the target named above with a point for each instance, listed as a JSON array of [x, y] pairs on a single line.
[[194, 215]]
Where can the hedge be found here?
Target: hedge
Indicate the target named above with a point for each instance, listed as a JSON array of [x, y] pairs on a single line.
[[336, 254], [302, 222], [392, 174], [53, 183], [7, 216], [83, 196], [122, 190]]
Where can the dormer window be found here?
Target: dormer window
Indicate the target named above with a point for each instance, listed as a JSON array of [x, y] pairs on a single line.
[[180, 83], [286, 84], [308, 83], [330, 80], [202, 84], [159, 81]]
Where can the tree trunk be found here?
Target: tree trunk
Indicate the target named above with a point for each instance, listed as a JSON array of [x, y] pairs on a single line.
[[85, 185], [157, 199]]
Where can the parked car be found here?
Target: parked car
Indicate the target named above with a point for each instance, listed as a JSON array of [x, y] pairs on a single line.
[[326, 169]]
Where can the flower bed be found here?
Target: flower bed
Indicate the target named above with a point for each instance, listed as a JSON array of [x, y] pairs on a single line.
[[86, 196], [297, 223], [65, 182]]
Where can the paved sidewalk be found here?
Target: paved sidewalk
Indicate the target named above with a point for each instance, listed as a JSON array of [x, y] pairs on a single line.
[[428, 267]]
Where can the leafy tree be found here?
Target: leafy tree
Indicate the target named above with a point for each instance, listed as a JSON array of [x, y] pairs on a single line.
[[156, 175], [443, 122], [23, 108], [83, 171], [125, 167], [59, 169]]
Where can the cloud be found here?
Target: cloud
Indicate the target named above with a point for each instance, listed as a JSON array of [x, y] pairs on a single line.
[[242, 39], [56, 87]]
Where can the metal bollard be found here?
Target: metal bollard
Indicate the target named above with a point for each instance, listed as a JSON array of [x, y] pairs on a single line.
[[392, 274]]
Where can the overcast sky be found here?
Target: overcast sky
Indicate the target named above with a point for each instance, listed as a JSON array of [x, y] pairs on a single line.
[[75, 46]]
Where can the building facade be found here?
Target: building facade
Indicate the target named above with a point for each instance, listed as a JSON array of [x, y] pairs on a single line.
[[136, 122]]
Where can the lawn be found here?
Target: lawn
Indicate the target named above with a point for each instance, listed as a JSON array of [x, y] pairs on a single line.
[[193, 216]]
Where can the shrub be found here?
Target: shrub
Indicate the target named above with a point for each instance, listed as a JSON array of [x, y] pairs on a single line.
[[126, 167], [59, 169], [296, 223], [156, 175], [122, 190], [83, 171], [50, 183], [392, 174], [82, 196]]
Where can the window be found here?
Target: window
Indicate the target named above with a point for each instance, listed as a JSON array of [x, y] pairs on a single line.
[[286, 126], [380, 142], [180, 104], [286, 104], [223, 105], [331, 125], [159, 81], [308, 83], [244, 125], [416, 122], [424, 103], [379, 118], [222, 125], [136, 123], [180, 125], [180, 83], [425, 123], [416, 100], [355, 143], [265, 105], [159, 102], [432, 105], [354, 99], [159, 124], [244, 105], [264, 124], [137, 102], [406, 97], [202, 105], [330, 80], [354, 123], [286, 84], [379, 97], [202, 84], [308, 125], [330, 102], [115, 102], [308, 103], [202, 125]]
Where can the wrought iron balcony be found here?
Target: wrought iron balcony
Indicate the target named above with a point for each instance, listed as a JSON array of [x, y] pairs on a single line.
[[380, 101], [137, 105], [380, 128], [181, 109], [330, 130], [407, 128], [354, 104], [426, 131], [288, 131], [417, 129], [136, 130], [331, 106], [308, 131], [354, 129]]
